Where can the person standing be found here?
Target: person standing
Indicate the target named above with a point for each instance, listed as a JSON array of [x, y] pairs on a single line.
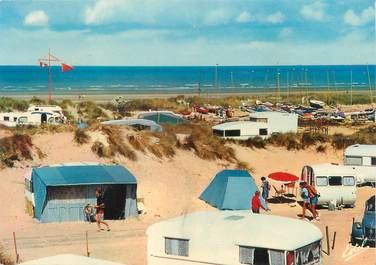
[[313, 200], [265, 188], [304, 194], [100, 210], [256, 203]]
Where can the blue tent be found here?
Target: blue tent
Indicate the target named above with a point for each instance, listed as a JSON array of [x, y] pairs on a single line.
[[162, 117], [141, 124], [62, 191], [230, 190]]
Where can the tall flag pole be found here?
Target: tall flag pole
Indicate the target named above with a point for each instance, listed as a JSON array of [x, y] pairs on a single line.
[[46, 62]]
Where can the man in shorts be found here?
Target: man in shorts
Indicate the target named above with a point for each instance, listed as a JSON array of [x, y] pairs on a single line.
[[100, 210], [265, 188], [305, 197]]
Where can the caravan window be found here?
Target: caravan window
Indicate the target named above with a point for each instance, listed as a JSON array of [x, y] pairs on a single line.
[[335, 181], [348, 181], [353, 160], [373, 161], [218, 133], [232, 133], [176, 246], [246, 255], [22, 120], [6, 118], [309, 254], [321, 181], [263, 131]]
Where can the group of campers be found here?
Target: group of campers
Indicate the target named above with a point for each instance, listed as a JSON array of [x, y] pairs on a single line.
[[307, 192]]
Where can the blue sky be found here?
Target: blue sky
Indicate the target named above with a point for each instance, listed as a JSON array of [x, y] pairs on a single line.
[[194, 32]]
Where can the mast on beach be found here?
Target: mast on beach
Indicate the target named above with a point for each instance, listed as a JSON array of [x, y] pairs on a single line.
[[46, 62]]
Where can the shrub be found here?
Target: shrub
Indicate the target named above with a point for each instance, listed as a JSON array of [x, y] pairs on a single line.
[[4, 258], [117, 144], [289, 140], [321, 148], [81, 137], [340, 141], [207, 146], [16, 147], [244, 165], [99, 149], [255, 142]]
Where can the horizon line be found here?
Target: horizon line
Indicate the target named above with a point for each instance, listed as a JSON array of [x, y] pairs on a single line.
[[214, 65]]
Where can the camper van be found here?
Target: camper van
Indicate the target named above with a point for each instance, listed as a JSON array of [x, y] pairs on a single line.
[[262, 124], [233, 237], [336, 184], [362, 158], [45, 108], [13, 119]]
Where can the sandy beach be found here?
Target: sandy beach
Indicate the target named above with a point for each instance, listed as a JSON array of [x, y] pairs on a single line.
[[102, 97], [169, 187]]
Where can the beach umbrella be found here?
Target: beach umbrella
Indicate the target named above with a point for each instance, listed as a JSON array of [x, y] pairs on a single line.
[[283, 177]]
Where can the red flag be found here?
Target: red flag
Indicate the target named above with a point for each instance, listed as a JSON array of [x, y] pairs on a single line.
[[65, 67], [42, 64]]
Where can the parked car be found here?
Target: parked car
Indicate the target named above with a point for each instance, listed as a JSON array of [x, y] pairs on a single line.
[[364, 232]]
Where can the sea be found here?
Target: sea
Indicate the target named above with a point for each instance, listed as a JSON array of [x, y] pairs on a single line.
[[186, 79]]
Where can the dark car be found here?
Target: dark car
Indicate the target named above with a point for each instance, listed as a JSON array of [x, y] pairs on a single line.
[[364, 233]]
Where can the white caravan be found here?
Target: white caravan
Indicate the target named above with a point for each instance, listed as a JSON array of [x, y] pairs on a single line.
[[233, 237], [45, 108], [35, 115], [262, 124], [12, 119], [363, 159], [334, 183]]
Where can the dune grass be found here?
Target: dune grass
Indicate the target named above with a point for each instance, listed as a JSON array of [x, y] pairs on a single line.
[[15, 147], [81, 137], [5, 258]]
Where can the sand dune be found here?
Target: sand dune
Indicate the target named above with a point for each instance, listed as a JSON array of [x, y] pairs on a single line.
[[170, 187]]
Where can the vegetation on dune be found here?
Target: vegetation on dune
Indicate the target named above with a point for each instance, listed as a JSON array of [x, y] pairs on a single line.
[[363, 136], [15, 147], [99, 149], [81, 136], [90, 111], [10, 104], [116, 143], [207, 146], [4, 258], [298, 141]]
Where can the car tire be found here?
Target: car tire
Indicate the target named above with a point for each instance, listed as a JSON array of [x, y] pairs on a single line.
[[353, 241]]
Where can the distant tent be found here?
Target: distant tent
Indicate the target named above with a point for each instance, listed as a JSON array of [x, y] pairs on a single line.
[[161, 117], [230, 190], [140, 124]]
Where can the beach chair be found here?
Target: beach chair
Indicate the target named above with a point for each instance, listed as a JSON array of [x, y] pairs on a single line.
[[279, 193]]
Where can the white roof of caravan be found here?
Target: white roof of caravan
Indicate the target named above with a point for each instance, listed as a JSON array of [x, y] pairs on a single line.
[[236, 124], [240, 228], [268, 114], [327, 168], [69, 259], [361, 150]]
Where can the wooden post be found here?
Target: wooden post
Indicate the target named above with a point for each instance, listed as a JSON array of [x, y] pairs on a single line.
[[334, 239], [15, 248], [353, 220], [87, 245], [327, 240]]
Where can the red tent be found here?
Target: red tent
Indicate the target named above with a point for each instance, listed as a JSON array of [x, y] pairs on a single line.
[[283, 177]]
